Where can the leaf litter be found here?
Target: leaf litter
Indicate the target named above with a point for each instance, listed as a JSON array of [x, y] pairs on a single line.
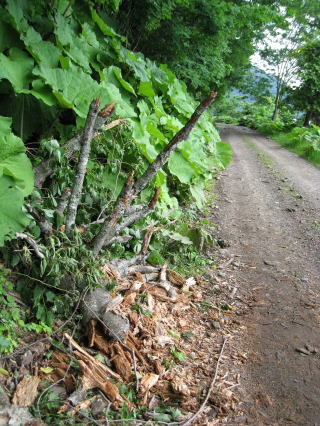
[[167, 358]]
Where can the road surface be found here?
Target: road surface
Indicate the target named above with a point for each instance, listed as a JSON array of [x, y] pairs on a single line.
[[269, 213]]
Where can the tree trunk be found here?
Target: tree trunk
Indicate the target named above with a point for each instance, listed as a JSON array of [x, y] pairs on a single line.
[[307, 119], [276, 109]]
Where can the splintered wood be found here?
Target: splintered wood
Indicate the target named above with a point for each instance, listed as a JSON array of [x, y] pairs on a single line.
[[172, 348]]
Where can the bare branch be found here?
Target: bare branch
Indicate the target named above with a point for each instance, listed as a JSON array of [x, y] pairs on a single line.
[[108, 229], [76, 193], [164, 155], [31, 242], [44, 169], [44, 225], [132, 190], [63, 202]]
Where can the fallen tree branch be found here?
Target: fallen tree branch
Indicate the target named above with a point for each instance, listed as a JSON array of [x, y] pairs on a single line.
[[44, 225], [132, 190], [63, 202], [76, 193], [122, 239], [137, 215], [31, 242], [107, 231], [213, 381], [44, 169], [164, 155]]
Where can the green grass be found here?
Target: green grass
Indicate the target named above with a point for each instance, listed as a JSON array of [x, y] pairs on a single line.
[[303, 148]]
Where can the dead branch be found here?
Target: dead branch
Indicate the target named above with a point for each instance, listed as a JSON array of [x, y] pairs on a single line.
[[121, 239], [31, 242], [114, 123], [164, 155], [139, 214], [44, 225], [108, 228], [44, 169], [213, 381], [121, 266], [164, 283], [132, 190], [63, 202], [76, 193]]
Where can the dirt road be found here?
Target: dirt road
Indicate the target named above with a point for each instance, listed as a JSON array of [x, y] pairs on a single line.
[[269, 213]]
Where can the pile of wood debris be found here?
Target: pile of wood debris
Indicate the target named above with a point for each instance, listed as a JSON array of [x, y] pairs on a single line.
[[172, 347]]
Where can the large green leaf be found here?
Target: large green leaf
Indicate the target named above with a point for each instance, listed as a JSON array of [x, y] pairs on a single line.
[[17, 68], [180, 167], [12, 218], [146, 89], [124, 83], [16, 182], [13, 160], [73, 88], [223, 153]]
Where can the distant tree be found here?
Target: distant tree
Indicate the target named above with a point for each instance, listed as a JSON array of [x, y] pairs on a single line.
[[307, 95], [301, 22]]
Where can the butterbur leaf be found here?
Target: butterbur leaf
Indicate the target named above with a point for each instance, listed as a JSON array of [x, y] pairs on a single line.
[[180, 167], [16, 67], [224, 153], [124, 83], [146, 89]]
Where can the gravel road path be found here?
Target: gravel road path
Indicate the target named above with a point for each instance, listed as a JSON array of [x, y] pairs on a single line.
[[269, 213]]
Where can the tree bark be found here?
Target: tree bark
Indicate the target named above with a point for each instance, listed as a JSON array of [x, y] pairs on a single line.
[[76, 192]]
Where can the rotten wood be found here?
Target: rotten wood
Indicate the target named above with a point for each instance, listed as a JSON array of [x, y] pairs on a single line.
[[26, 391], [90, 360]]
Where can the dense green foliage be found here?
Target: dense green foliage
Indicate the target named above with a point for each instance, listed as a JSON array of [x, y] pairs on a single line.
[[13, 320], [206, 43], [306, 97], [54, 60], [303, 141], [53, 64]]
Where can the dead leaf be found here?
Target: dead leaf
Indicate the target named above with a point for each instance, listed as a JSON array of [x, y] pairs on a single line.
[[26, 391], [180, 387], [148, 381], [175, 278]]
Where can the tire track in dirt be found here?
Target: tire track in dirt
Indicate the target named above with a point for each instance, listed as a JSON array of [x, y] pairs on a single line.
[[275, 233]]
